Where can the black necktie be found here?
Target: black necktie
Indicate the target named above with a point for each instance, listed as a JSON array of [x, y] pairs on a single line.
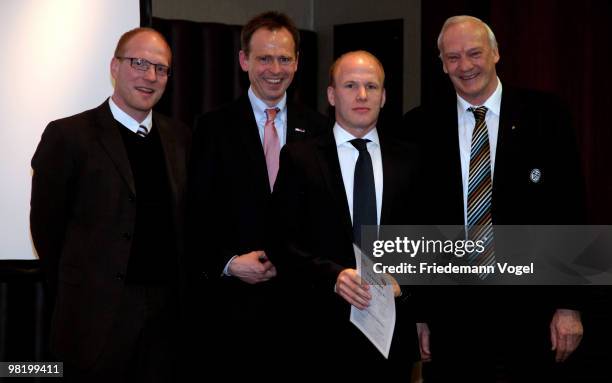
[[364, 193]]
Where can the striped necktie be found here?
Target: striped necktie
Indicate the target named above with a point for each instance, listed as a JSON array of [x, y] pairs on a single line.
[[142, 131], [479, 221]]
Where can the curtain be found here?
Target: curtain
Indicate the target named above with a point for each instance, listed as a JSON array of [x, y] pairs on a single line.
[[206, 73]]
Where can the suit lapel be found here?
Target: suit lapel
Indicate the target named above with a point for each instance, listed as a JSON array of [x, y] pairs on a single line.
[[244, 122], [297, 128], [390, 179], [327, 156], [507, 121], [449, 124], [508, 118], [168, 143], [110, 138]]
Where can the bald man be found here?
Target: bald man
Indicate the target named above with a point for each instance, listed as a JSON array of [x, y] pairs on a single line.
[[317, 182], [106, 219]]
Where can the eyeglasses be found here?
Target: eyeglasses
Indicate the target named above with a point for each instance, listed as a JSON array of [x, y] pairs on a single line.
[[282, 60], [144, 65]]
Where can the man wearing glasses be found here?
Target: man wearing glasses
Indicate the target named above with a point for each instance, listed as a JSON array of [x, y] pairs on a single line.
[[106, 213], [234, 166]]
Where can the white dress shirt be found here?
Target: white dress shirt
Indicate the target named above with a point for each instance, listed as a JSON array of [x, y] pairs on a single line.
[[127, 120], [348, 154], [280, 121], [466, 124]]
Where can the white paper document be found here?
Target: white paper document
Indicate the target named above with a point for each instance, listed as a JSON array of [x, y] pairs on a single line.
[[376, 322]]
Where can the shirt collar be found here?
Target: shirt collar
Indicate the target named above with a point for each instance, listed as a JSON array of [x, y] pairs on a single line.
[[493, 103], [343, 137], [259, 107], [127, 120]]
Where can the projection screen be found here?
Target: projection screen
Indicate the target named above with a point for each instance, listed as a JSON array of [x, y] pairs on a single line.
[[56, 56]]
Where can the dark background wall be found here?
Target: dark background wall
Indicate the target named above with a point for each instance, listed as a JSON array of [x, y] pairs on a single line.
[[320, 17], [206, 70]]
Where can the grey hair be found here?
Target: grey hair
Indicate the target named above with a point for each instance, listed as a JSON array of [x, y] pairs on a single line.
[[462, 19]]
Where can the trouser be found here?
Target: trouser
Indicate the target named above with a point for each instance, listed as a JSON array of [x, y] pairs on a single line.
[[142, 343]]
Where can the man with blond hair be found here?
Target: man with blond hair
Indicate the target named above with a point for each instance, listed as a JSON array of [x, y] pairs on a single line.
[[348, 178]]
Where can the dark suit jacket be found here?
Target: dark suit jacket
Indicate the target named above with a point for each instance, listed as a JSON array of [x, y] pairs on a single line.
[[82, 217], [230, 193], [534, 133], [312, 213]]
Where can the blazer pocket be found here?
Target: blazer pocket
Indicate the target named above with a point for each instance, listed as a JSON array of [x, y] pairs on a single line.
[[70, 275]]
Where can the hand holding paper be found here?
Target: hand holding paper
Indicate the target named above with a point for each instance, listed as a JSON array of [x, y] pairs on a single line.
[[351, 287], [377, 320]]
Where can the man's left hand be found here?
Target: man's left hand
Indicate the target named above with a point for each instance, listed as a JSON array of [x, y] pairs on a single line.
[[565, 333]]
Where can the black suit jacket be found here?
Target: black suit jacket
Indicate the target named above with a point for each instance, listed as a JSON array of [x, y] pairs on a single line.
[[534, 133], [312, 213], [82, 217], [230, 192]]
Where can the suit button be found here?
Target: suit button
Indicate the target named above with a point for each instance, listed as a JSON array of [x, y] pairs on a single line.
[[126, 236], [120, 276], [132, 198]]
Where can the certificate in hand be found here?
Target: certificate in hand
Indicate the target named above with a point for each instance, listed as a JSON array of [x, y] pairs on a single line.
[[377, 321]]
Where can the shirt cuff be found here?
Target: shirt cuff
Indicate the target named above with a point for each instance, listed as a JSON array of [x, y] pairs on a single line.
[[226, 271]]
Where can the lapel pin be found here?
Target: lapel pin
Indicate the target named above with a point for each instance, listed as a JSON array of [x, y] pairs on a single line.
[[535, 175], [300, 130]]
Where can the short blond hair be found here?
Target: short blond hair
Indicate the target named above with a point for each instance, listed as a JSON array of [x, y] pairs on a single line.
[[334, 67], [127, 36]]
